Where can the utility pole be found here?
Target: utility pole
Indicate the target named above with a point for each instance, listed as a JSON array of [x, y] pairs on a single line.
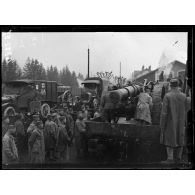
[[88, 62], [120, 74]]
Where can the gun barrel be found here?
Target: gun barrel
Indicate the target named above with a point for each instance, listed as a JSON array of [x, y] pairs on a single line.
[[122, 94]]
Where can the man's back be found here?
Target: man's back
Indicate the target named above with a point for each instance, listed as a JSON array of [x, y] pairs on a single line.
[[175, 105], [106, 102], [19, 127], [177, 101]]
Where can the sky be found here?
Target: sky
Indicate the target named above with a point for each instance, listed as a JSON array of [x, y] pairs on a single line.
[[107, 49]]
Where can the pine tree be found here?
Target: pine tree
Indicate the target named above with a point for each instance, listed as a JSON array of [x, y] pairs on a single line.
[[4, 70], [34, 70], [52, 74], [74, 80], [11, 70], [80, 76]]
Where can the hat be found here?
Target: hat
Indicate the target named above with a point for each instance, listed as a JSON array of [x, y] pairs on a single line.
[[18, 116], [61, 118], [61, 113], [54, 115], [174, 82], [35, 117], [11, 127], [39, 122]]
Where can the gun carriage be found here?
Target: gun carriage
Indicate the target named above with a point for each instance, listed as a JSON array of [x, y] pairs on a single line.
[[125, 140]]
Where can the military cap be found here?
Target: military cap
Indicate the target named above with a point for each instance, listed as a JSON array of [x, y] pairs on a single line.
[[54, 115], [61, 118], [174, 82], [11, 127], [18, 116], [39, 122], [36, 117], [61, 113]]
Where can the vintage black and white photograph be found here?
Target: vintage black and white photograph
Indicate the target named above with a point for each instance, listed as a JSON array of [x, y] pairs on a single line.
[[97, 97]]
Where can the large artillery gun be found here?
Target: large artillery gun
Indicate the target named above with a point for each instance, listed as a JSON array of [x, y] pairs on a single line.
[[127, 139], [123, 94], [125, 100]]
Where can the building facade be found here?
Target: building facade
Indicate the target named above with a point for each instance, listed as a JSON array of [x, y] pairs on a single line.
[[172, 69]]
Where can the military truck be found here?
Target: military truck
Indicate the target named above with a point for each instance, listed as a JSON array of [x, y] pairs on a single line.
[[95, 86], [28, 96]]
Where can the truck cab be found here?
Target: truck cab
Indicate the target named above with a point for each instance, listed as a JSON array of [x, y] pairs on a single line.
[[95, 86]]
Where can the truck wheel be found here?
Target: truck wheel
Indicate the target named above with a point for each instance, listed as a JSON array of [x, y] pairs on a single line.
[[9, 111], [45, 110]]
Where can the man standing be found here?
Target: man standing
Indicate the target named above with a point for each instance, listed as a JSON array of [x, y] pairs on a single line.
[[10, 152], [173, 114], [80, 136], [32, 125], [36, 143], [5, 123], [20, 136], [31, 128], [107, 107]]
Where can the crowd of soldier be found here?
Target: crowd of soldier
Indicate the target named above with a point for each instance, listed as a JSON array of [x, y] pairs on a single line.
[[49, 139]]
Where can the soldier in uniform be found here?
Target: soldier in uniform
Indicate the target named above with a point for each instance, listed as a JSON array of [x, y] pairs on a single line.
[[5, 123], [9, 152], [62, 140], [31, 128], [80, 136], [107, 107], [143, 114], [20, 135], [172, 123], [50, 132], [36, 143]]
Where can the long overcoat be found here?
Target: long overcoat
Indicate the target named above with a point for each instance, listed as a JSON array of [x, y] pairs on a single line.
[[173, 114], [143, 107], [37, 146], [50, 134], [62, 138], [9, 150]]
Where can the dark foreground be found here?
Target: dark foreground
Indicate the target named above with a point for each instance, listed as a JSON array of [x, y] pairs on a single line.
[[120, 146], [103, 161]]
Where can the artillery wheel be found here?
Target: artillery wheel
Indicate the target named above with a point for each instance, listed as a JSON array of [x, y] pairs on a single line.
[[9, 111], [45, 110]]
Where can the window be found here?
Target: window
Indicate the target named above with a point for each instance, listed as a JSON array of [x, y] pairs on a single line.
[[43, 85], [181, 74]]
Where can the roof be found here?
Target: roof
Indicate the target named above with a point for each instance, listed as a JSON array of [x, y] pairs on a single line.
[[28, 81], [91, 81], [63, 86], [147, 73], [176, 61]]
